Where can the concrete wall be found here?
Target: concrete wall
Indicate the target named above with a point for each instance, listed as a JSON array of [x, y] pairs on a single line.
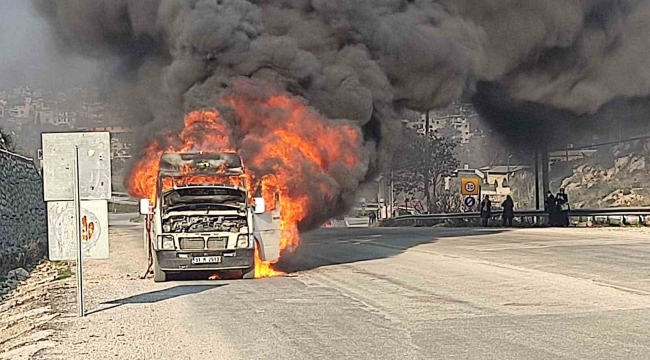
[[23, 221]]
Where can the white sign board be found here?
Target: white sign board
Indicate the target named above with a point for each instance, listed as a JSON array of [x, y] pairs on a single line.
[[61, 230], [94, 165]]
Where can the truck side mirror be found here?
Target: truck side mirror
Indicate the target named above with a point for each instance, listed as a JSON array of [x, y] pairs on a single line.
[[260, 206], [145, 207]]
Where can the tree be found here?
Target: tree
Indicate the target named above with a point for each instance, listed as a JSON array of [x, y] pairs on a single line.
[[410, 166]]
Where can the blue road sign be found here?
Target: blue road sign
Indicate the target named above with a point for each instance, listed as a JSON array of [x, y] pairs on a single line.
[[470, 201]]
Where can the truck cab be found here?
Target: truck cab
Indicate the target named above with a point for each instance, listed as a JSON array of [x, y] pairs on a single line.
[[203, 219]]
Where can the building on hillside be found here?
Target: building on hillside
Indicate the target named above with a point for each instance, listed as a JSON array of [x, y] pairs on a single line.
[[19, 112], [455, 119], [66, 117], [110, 129]]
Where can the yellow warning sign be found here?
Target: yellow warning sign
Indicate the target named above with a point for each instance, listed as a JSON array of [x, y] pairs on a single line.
[[469, 186]]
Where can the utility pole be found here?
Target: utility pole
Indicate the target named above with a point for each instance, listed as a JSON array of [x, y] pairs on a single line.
[[545, 168], [392, 194], [427, 161], [537, 179]]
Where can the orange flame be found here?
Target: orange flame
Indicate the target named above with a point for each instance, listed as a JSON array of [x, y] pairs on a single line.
[[288, 148], [264, 269]]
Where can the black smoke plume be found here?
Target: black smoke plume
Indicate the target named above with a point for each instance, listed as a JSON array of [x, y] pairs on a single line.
[[530, 65]]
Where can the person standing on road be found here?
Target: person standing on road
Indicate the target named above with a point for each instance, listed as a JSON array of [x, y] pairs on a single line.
[[508, 211], [551, 209], [486, 211], [562, 200]]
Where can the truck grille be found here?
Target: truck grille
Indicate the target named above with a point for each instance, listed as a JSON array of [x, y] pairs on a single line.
[[192, 243], [217, 243]]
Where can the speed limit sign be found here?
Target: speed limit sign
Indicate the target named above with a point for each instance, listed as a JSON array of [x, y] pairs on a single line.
[[469, 186]]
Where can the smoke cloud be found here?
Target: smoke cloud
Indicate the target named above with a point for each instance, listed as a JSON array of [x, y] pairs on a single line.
[[364, 61], [28, 57]]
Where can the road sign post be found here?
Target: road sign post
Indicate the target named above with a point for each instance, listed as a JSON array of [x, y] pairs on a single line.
[[77, 185], [77, 220]]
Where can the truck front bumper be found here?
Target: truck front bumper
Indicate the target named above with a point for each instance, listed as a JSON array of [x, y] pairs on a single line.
[[230, 260]]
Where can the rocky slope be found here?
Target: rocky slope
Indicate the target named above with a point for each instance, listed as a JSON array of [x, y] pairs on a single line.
[[620, 181]]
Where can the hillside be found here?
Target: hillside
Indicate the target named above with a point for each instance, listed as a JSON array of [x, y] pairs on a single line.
[[617, 177]]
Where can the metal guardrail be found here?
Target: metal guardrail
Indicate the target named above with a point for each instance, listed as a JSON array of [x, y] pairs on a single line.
[[122, 199], [618, 215]]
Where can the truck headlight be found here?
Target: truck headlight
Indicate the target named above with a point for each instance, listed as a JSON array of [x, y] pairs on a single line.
[[242, 241], [166, 242]]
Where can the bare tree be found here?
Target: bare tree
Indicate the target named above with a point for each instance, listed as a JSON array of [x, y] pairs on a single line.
[[410, 165]]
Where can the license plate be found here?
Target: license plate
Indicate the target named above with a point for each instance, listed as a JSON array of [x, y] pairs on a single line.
[[206, 260]]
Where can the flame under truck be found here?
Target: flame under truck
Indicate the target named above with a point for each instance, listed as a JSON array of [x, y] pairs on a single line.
[[203, 218]]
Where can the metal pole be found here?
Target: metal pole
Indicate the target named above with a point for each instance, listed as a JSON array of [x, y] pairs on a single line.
[[545, 169], [392, 194], [381, 189], [537, 180], [77, 219], [427, 163]]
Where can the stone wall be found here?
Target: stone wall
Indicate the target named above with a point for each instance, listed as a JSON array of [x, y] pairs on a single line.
[[23, 222]]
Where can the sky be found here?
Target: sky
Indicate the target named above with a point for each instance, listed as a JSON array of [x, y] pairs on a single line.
[[28, 56]]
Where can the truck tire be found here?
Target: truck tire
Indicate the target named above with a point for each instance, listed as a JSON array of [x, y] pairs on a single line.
[[158, 274]]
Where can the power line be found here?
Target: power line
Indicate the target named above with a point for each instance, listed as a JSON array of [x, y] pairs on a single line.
[[609, 143]]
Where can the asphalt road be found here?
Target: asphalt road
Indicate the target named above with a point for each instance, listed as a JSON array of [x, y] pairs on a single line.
[[383, 294]]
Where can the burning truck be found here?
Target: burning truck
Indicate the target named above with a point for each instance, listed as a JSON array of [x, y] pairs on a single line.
[[203, 217], [295, 161]]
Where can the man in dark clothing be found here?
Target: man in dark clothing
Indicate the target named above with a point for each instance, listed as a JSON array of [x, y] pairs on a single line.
[[508, 211], [551, 209], [486, 211], [562, 200]]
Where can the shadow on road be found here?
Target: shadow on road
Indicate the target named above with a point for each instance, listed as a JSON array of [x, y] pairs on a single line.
[[335, 246], [159, 295]]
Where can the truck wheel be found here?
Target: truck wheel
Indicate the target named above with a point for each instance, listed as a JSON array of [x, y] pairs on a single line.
[[158, 275]]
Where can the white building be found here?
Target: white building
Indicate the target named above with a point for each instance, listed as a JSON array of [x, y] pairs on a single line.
[[493, 179], [455, 119], [65, 118], [19, 112]]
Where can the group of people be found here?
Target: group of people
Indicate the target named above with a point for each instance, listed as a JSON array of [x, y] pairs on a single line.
[[508, 206], [557, 208]]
